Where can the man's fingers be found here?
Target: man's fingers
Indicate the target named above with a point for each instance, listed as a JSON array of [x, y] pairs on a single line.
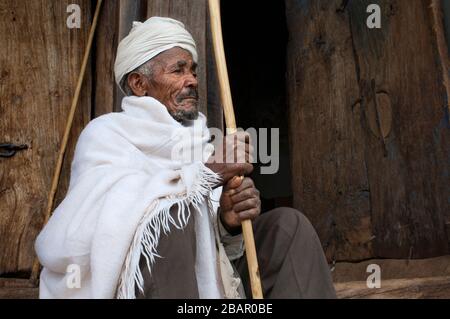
[[249, 214], [235, 182], [248, 192], [247, 204], [246, 183]]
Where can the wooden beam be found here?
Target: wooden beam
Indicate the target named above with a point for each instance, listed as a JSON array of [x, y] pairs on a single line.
[[393, 269], [417, 288], [17, 289]]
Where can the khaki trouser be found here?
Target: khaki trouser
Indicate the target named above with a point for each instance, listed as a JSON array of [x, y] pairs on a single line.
[[290, 256]]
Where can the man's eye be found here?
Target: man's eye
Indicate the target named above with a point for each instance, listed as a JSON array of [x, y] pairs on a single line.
[[177, 71]]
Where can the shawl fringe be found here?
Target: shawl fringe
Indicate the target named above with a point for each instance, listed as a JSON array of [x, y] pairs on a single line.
[[157, 218]]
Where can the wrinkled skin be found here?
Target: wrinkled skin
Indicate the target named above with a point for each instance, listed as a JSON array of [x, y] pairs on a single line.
[[239, 201], [174, 83]]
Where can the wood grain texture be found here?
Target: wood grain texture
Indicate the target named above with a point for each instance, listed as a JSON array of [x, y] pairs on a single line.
[[438, 26], [107, 39], [408, 169], [17, 289], [369, 128], [392, 269], [419, 288], [329, 178], [115, 23], [83, 113], [128, 12], [39, 65], [214, 106]]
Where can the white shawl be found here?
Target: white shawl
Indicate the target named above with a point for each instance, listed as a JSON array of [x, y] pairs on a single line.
[[125, 176]]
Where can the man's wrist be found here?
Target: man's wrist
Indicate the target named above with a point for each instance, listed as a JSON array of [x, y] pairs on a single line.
[[233, 231]]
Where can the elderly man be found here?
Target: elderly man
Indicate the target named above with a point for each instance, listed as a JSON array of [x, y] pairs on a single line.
[[143, 219]]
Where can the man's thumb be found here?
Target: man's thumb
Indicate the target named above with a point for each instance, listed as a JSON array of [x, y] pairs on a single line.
[[233, 183]]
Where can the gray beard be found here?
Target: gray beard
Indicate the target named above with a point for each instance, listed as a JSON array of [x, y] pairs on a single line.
[[182, 115]]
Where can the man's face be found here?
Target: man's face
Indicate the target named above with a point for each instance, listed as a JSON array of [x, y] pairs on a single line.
[[174, 83]]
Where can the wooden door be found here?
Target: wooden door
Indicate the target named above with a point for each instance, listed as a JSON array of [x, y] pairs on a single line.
[[370, 126], [39, 64]]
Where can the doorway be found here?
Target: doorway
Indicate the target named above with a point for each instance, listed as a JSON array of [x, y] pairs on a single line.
[[255, 38]]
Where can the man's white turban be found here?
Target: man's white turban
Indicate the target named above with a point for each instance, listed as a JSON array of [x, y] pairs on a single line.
[[147, 40]]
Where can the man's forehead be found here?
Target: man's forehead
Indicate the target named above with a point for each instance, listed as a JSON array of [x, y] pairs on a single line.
[[176, 55]]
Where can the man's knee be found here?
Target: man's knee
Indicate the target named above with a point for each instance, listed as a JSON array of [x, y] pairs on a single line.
[[290, 220]]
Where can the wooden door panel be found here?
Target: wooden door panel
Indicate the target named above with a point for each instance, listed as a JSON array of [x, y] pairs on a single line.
[[40, 58], [369, 127], [330, 182], [408, 167]]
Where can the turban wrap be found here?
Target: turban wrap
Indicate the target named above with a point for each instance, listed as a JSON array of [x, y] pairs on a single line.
[[148, 39]]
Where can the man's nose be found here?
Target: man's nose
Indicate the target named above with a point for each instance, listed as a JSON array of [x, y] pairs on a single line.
[[191, 81]]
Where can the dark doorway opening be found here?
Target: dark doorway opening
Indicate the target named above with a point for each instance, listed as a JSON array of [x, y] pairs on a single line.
[[255, 37]]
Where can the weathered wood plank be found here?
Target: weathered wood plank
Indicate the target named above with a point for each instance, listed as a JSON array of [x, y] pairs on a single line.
[[19, 293], [84, 108], [7, 283], [369, 125], [402, 88], [214, 105], [329, 178], [17, 289], [39, 65], [393, 269], [129, 11], [438, 26], [106, 41], [115, 23], [419, 288]]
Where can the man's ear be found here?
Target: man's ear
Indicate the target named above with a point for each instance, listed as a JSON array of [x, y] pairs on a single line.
[[138, 84]]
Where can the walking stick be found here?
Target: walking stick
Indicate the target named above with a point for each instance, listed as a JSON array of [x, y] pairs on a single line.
[[227, 103], [57, 173]]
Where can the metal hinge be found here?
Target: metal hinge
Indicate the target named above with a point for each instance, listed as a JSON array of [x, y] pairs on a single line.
[[8, 150]]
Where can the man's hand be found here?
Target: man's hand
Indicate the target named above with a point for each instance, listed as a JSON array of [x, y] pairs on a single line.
[[232, 157], [239, 201]]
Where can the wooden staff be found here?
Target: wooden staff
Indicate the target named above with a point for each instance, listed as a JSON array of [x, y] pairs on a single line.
[[65, 139], [227, 103]]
